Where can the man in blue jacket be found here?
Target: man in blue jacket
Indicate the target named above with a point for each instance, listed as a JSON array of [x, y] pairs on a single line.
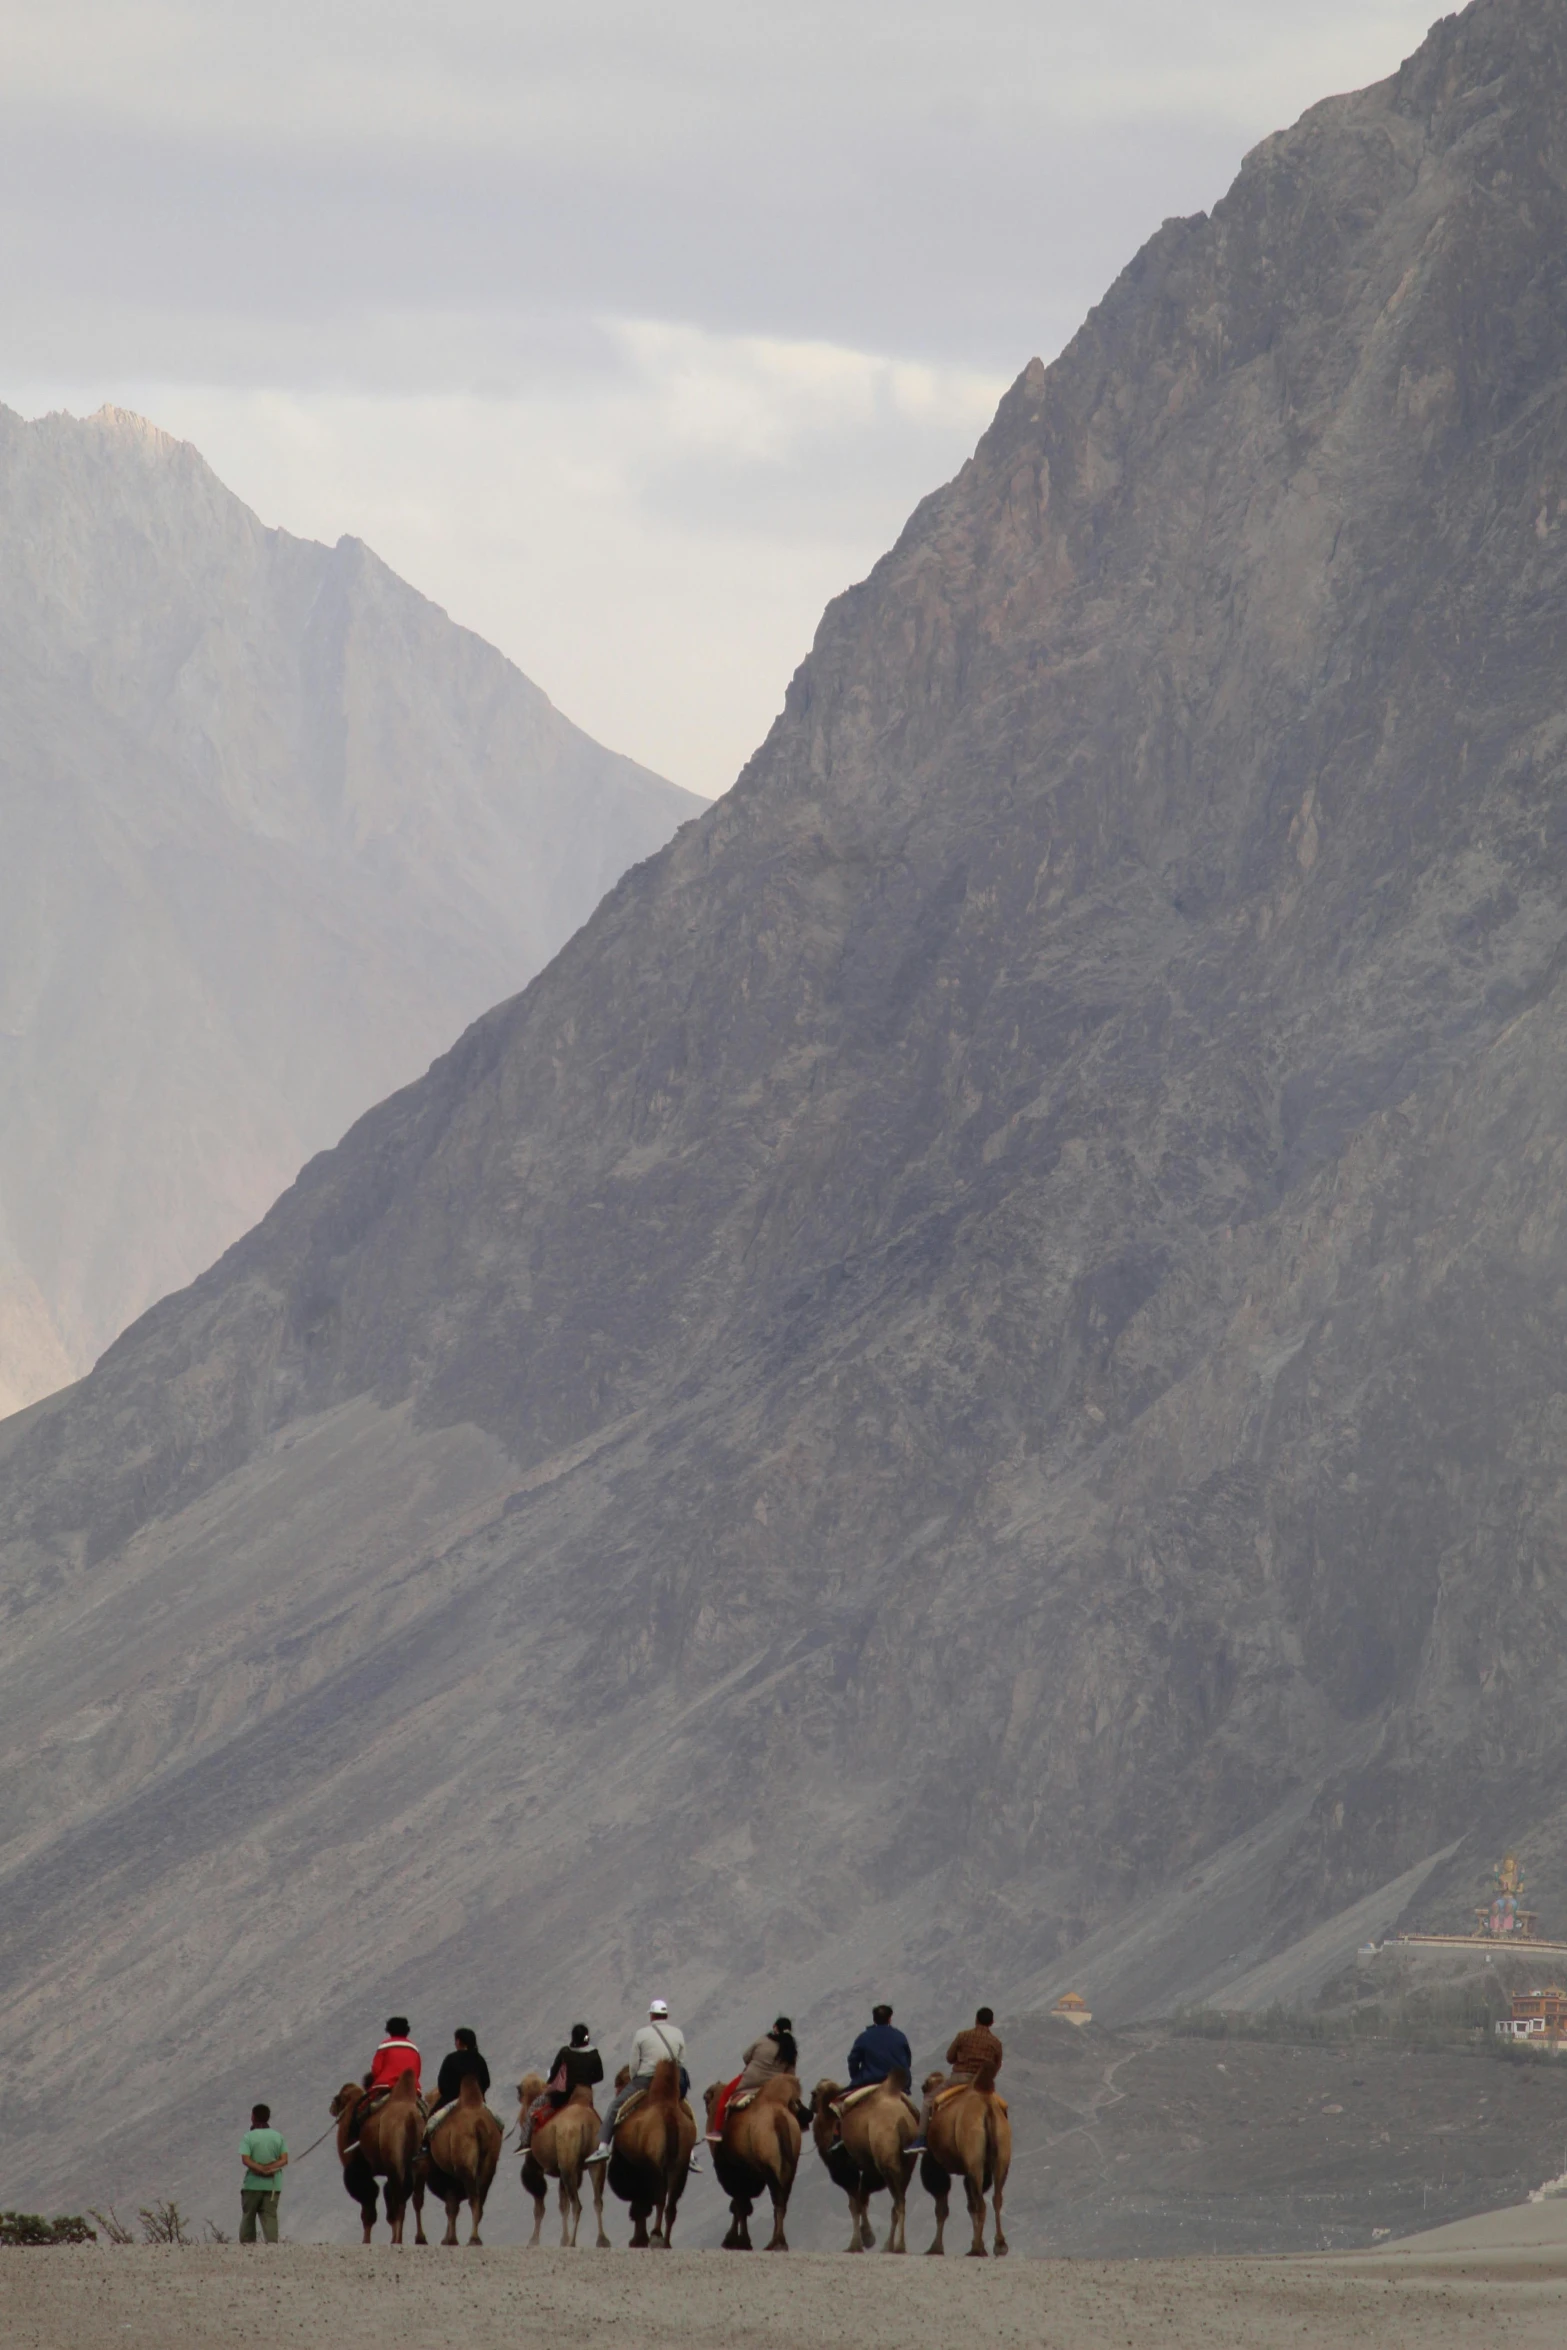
[[880, 2049]]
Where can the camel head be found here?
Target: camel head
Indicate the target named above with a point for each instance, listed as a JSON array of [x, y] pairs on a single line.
[[346, 2096], [710, 2098], [529, 2088], [932, 2081], [623, 2076]]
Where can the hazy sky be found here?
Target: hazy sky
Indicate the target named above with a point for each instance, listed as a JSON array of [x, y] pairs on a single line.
[[629, 332]]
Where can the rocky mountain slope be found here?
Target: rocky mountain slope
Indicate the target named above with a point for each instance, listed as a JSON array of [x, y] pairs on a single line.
[[272, 831], [969, 1387]]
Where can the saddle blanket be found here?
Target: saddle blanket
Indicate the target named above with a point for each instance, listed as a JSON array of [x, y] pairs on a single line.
[[730, 2102]]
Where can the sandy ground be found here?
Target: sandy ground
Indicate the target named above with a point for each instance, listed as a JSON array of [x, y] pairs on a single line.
[[1502, 2277]]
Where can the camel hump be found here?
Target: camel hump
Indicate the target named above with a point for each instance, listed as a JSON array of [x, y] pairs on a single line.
[[985, 2078], [469, 2092], [664, 2088]]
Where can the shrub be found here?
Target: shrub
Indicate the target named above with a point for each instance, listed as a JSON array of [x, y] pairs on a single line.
[[30, 2227], [163, 2223]]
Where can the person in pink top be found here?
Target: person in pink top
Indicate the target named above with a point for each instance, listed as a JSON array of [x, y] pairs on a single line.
[[395, 2056]]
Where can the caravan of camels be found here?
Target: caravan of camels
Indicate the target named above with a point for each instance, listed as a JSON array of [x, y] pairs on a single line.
[[397, 2146]]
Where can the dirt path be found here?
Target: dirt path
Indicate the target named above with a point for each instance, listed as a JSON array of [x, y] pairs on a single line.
[[380, 2300]]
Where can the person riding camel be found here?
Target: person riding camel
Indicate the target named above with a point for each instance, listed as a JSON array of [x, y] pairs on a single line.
[[657, 2040], [775, 2053], [880, 2053], [969, 2054], [462, 2063], [576, 2066], [880, 2049], [395, 2056]]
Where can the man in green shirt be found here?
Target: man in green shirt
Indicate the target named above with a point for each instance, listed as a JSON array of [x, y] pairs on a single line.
[[264, 2154]]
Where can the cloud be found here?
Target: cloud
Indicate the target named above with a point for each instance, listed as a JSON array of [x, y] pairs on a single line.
[[631, 334], [652, 538]]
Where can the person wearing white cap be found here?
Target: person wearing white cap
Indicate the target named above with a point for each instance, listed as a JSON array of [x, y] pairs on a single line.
[[658, 2039]]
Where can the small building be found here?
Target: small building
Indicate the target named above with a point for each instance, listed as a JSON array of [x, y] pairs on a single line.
[[1538, 2018], [1070, 2009]]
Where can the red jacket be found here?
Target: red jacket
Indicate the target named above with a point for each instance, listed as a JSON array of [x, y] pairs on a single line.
[[392, 2059]]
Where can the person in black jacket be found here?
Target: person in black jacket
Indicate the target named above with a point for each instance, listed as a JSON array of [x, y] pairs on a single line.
[[463, 2064], [577, 2066]]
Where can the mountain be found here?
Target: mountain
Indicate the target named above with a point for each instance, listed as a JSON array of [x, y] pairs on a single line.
[[272, 832], [967, 1392]]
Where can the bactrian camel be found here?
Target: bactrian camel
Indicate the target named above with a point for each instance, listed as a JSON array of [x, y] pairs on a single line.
[[458, 2164], [968, 2137], [652, 2154], [383, 2150], [758, 2154], [559, 2149], [867, 2153]]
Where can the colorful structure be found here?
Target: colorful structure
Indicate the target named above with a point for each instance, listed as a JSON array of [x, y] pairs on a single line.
[[1503, 1919], [1538, 2017], [1070, 2009]]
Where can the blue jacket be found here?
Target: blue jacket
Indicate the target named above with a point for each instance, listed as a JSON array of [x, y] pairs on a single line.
[[879, 2050]]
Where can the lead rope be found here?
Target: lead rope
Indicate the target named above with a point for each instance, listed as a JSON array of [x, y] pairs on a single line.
[[315, 2142]]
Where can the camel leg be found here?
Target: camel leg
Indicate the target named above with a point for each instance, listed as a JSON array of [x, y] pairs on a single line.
[[895, 2242], [666, 2219], [940, 2198], [538, 2221], [598, 2205], [568, 2234], [779, 2242], [639, 2236], [976, 2208], [419, 2235], [857, 2223], [1001, 2241], [476, 2207], [395, 2215]]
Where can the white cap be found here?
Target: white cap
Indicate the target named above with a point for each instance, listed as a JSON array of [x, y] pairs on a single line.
[[658, 2007]]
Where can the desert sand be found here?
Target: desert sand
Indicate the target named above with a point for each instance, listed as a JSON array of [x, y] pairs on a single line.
[[1502, 2276]]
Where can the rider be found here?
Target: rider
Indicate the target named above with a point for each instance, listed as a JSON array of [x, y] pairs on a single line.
[[464, 2063], [395, 2056], [576, 2066], [658, 2039], [967, 2057], [879, 2053], [880, 2049], [775, 2053]]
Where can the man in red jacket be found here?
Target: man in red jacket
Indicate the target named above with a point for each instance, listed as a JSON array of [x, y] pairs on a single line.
[[395, 2056]]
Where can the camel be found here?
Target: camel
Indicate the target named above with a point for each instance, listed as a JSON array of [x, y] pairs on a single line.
[[866, 2152], [652, 2155], [460, 2158], [758, 2153], [386, 2148], [559, 2150], [970, 2138]]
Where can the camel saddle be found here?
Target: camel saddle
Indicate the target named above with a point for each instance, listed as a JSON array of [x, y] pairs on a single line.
[[841, 2105], [372, 2102], [956, 2089]]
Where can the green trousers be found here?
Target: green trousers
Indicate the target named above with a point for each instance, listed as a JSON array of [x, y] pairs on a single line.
[[254, 2205]]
